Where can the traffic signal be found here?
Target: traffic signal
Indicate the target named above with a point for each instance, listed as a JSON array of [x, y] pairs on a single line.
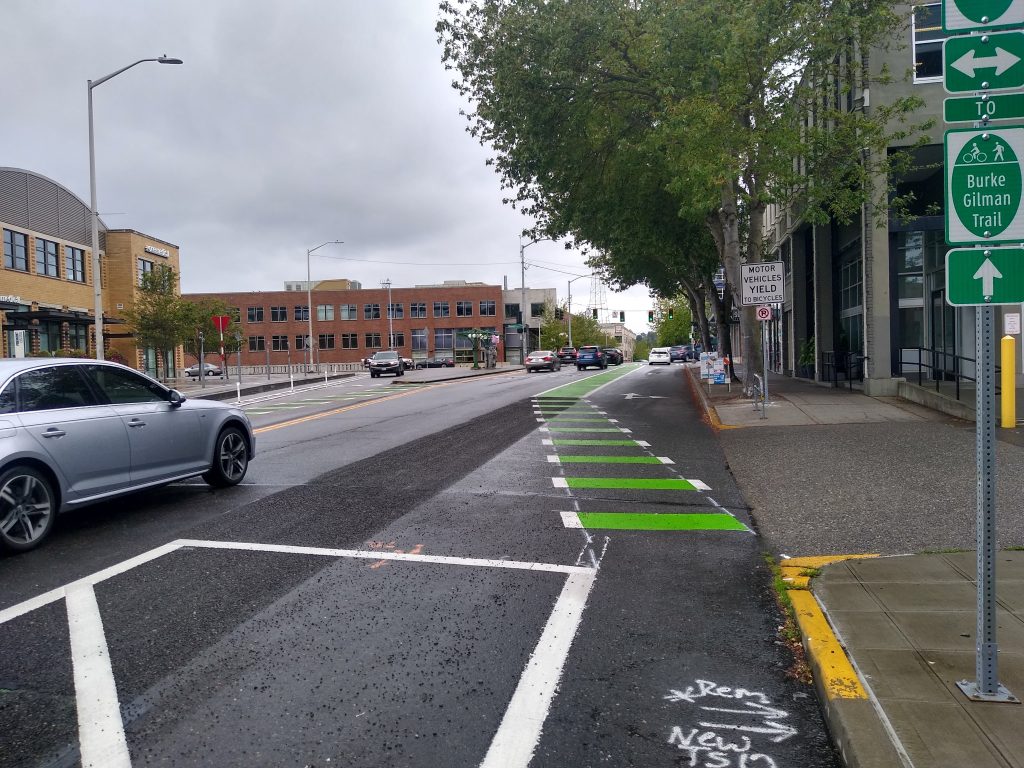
[[595, 313], [622, 317], [650, 315], [670, 313]]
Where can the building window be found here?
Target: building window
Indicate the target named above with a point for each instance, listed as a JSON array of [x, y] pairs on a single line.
[[851, 306], [512, 311], [300, 342], [373, 341], [279, 343], [47, 262], [257, 344], [325, 312], [397, 340], [537, 310], [371, 311], [302, 312], [325, 340], [463, 308], [77, 337], [16, 250], [441, 309], [418, 309], [487, 309], [278, 314], [444, 338], [145, 268], [74, 264], [350, 341], [254, 314], [396, 311], [347, 312], [928, 39], [419, 340]]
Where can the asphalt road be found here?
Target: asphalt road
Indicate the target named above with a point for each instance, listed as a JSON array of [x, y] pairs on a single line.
[[407, 578]]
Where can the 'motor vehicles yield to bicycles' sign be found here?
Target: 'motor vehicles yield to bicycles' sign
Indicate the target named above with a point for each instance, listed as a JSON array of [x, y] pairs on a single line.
[[763, 282], [968, 15], [983, 186]]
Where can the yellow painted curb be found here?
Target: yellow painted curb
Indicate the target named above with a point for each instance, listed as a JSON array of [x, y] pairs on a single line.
[[818, 562], [836, 674]]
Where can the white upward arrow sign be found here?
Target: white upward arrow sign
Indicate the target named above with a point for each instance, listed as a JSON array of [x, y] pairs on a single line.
[[987, 273], [1002, 61]]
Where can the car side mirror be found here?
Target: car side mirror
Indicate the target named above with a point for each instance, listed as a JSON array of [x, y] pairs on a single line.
[[175, 398]]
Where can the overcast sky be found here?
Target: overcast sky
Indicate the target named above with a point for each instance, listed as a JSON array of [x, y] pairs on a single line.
[[290, 123]]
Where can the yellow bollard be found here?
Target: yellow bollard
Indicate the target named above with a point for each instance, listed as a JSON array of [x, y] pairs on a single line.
[[1009, 383]]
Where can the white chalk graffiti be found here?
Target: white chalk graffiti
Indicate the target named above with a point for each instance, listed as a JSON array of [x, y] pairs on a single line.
[[704, 746]]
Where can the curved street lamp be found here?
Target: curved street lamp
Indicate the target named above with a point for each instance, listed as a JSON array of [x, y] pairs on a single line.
[[93, 215], [309, 301]]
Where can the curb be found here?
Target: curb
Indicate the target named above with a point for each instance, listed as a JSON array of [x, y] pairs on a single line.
[[850, 713], [712, 413]]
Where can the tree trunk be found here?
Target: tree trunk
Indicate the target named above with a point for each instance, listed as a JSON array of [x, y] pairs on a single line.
[[728, 216]]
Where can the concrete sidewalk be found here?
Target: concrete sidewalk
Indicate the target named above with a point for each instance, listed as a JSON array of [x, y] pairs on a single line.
[[836, 473]]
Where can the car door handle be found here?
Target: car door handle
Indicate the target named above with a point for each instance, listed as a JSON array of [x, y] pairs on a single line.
[[54, 433], [136, 423]]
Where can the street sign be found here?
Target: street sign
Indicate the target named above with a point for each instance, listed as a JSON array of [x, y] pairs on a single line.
[[968, 15], [981, 277], [983, 186], [762, 283], [220, 322], [764, 313], [983, 62], [970, 109]]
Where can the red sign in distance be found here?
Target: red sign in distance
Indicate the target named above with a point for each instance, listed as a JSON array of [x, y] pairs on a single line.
[[220, 322]]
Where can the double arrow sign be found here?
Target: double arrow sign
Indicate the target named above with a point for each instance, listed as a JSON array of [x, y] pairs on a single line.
[[992, 63]]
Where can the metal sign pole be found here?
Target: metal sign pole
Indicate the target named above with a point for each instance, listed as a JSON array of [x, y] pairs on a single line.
[[764, 368], [986, 687]]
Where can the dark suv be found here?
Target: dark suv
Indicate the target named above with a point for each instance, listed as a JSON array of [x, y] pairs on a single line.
[[590, 355], [567, 354], [386, 362], [613, 355]]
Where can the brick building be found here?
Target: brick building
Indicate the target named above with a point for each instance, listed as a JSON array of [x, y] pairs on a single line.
[[349, 325], [46, 281]]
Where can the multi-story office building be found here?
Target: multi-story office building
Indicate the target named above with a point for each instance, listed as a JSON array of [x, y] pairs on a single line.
[[352, 324], [870, 300], [536, 299], [46, 283]]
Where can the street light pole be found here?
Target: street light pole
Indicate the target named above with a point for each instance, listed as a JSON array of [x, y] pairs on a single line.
[[97, 281], [309, 297], [571, 281], [525, 330], [391, 328]]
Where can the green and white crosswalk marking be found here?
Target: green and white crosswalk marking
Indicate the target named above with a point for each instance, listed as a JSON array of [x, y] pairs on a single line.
[[570, 441], [610, 460], [585, 429], [633, 483]]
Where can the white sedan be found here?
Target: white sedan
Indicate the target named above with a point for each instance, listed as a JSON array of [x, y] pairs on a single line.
[[659, 355]]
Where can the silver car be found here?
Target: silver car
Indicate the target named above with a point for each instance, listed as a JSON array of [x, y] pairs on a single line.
[[74, 432]]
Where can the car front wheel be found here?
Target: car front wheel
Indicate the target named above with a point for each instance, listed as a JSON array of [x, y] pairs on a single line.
[[28, 507], [230, 459]]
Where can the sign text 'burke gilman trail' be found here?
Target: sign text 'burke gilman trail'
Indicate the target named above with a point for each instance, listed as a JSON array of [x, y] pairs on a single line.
[[984, 186], [762, 283]]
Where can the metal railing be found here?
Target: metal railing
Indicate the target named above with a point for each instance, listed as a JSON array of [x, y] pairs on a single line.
[[943, 367], [850, 364]]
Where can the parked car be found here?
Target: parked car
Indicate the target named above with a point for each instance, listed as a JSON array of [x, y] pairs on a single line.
[[688, 352], [613, 355], [209, 369], [387, 361], [408, 364], [659, 355], [543, 359], [77, 432], [677, 353], [590, 355], [436, 362], [567, 354]]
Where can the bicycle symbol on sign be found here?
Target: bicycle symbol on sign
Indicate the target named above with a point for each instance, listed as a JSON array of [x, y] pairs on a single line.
[[975, 155]]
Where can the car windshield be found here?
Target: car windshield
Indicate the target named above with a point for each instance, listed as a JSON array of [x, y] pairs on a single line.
[[386, 356]]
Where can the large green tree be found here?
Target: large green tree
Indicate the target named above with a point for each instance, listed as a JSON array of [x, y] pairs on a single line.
[[157, 315], [625, 122]]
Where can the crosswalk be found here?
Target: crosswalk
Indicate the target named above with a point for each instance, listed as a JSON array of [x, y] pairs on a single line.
[[617, 482], [267, 407]]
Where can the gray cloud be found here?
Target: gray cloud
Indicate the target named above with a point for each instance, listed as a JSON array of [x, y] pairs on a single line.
[[290, 123]]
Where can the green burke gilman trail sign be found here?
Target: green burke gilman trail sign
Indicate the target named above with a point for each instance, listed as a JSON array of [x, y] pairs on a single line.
[[969, 15], [983, 186]]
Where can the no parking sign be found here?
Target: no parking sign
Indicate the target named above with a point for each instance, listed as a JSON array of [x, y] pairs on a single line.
[[764, 313]]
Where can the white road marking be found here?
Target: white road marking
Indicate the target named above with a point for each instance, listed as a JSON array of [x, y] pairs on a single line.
[[541, 420], [700, 486], [665, 460], [643, 443], [547, 442], [627, 431], [100, 729], [519, 733], [553, 459], [559, 482], [571, 520]]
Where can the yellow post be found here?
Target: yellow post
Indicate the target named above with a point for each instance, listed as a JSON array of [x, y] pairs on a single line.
[[1009, 383]]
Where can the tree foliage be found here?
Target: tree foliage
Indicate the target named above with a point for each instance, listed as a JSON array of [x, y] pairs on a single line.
[[656, 133]]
